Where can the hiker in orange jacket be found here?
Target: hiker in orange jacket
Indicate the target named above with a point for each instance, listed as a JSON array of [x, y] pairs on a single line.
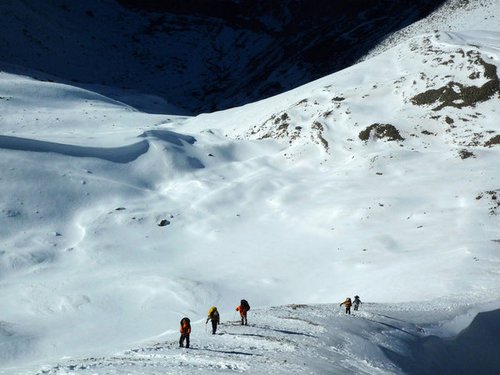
[[243, 309], [347, 304], [185, 332]]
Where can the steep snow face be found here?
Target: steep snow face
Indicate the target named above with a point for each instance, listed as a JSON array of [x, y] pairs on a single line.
[[191, 56], [380, 180], [440, 83]]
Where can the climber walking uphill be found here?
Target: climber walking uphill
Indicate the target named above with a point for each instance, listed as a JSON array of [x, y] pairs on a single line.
[[185, 332], [243, 308], [213, 315], [356, 303], [347, 304]]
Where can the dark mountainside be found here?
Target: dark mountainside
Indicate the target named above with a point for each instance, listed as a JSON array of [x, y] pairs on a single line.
[[198, 55]]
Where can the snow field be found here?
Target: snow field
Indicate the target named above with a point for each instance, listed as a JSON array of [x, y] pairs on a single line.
[[257, 207]]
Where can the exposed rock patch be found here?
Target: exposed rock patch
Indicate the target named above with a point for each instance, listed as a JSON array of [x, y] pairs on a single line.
[[493, 196], [319, 135], [458, 95], [381, 131], [163, 223], [465, 154], [493, 141]]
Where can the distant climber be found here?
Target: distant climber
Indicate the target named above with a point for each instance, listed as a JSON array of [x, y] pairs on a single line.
[[347, 304], [243, 308], [185, 332], [356, 303], [213, 315]]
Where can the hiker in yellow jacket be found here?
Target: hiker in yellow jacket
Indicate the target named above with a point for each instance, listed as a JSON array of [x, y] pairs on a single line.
[[213, 315], [347, 304]]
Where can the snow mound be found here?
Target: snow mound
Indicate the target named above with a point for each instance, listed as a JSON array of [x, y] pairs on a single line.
[[124, 154]]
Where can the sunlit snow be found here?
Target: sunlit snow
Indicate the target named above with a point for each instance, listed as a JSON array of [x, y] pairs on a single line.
[[280, 202]]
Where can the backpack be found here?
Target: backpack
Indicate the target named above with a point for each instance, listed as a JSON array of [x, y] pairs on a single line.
[[211, 311], [185, 321], [245, 304]]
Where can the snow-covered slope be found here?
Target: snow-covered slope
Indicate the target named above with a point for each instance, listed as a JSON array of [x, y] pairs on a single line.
[[318, 339], [380, 180], [452, 15]]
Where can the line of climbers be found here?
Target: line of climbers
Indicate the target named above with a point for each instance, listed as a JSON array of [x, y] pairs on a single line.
[[214, 317], [243, 308]]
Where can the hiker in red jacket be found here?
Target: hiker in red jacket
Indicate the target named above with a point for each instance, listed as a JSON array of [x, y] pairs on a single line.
[[243, 309], [185, 332]]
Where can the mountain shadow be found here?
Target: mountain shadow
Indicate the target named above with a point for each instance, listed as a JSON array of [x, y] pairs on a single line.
[[475, 350], [193, 56]]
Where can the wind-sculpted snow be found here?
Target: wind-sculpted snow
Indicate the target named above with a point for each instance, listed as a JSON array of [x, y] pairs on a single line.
[[124, 154], [170, 137]]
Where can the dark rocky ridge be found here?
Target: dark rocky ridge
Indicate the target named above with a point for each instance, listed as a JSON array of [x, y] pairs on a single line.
[[201, 55]]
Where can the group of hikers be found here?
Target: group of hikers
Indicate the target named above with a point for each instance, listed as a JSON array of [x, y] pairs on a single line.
[[348, 303], [214, 317], [243, 308]]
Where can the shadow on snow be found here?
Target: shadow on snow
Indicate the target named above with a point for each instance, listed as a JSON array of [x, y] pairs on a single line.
[[475, 350], [123, 154]]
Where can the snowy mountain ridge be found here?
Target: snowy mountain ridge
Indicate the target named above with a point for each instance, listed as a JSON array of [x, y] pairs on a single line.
[[445, 94], [380, 180], [327, 340]]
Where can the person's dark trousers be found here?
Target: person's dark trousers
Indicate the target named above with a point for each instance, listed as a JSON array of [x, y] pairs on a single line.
[[244, 320], [184, 336], [348, 310], [214, 326]]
